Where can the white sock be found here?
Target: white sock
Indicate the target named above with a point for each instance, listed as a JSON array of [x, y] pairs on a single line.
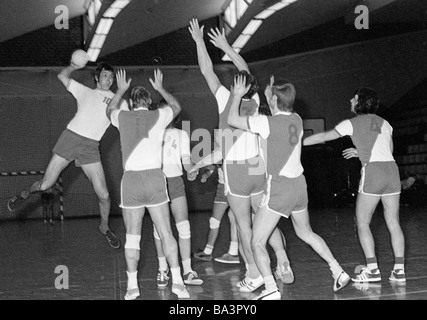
[[208, 249], [186, 265], [163, 264], [176, 275], [234, 248], [132, 280]]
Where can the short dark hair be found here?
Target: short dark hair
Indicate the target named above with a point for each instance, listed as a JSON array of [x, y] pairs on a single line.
[[285, 93], [250, 80], [367, 102], [102, 66], [140, 97]]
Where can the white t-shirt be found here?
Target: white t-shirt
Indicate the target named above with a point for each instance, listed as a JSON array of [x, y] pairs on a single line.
[[141, 136], [90, 120], [239, 144], [176, 145]]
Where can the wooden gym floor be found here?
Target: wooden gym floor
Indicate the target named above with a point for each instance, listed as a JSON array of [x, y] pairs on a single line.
[[31, 250]]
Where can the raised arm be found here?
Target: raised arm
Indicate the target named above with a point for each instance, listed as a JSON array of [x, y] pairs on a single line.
[[157, 84], [321, 137], [220, 41], [64, 75], [238, 91], [205, 62], [122, 86]]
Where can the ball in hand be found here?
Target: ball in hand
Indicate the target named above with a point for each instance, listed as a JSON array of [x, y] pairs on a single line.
[[80, 58]]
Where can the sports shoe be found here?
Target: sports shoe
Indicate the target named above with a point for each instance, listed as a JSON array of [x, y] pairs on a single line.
[[284, 273], [162, 278], [14, 202], [269, 295], [132, 294], [180, 290], [202, 256], [112, 239], [398, 275], [367, 275], [228, 258], [251, 285], [341, 281], [192, 278]]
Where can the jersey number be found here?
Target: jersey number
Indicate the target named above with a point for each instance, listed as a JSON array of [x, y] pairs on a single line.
[[293, 135], [375, 127]]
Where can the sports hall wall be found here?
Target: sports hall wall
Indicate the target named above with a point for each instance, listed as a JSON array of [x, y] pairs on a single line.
[[35, 108]]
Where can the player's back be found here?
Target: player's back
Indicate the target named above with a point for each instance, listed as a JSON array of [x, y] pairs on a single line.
[[141, 137], [283, 145]]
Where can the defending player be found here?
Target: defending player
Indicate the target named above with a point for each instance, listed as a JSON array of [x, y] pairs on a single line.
[[380, 180], [144, 183], [176, 154], [244, 168], [286, 193]]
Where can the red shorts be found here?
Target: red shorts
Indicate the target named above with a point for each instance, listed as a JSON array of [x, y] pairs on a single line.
[[74, 147], [380, 179], [244, 178], [176, 187], [285, 196], [146, 188]]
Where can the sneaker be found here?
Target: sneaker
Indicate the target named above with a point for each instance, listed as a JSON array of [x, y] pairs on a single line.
[[367, 275], [398, 275], [192, 278], [112, 239], [284, 273], [180, 290], [14, 202], [251, 285], [162, 278], [202, 256], [228, 258], [132, 294], [341, 281], [269, 295]]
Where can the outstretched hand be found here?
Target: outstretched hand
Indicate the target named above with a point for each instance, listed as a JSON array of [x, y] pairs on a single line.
[[240, 88], [350, 153], [157, 83], [122, 84], [195, 30], [218, 38]]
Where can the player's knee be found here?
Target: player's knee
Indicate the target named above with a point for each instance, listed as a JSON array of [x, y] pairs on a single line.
[[133, 241], [183, 228], [214, 223], [155, 233], [103, 196]]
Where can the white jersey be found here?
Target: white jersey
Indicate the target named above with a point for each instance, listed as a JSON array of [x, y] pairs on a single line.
[[90, 120], [372, 136], [141, 136], [176, 145], [236, 144]]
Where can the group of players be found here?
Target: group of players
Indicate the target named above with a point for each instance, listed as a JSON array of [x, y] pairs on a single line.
[[261, 176]]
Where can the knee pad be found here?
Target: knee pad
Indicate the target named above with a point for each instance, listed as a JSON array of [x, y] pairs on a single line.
[[214, 223], [132, 241], [155, 233], [183, 228]]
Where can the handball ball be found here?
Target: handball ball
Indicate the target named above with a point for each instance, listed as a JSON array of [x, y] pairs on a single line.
[[80, 58]]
